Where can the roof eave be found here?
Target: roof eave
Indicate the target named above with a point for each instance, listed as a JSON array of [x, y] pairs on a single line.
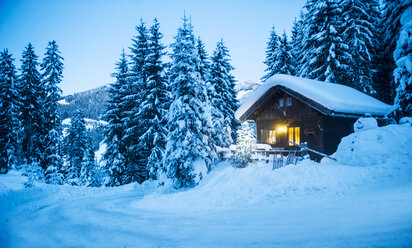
[[315, 105]]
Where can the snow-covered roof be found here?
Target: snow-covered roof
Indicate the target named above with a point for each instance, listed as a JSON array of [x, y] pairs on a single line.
[[335, 97]]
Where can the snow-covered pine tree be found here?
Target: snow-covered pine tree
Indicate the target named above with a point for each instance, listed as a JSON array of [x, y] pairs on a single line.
[[52, 68], [115, 115], [154, 106], [9, 113], [389, 30], [284, 61], [75, 147], [325, 55], [225, 98], [271, 49], [359, 29], [88, 173], [53, 159], [297, 42], [245, 144], [32, 108], [135, 162], [204, 63], [204, 71], [190, 151], [403, 72]]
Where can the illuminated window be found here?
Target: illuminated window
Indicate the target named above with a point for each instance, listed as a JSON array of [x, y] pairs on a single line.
[[281, 103], [272, 137], [289, 102], [268, 136], [294, 135]]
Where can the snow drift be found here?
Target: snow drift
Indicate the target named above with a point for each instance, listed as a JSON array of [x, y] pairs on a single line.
[[383, 155], [391, 143]]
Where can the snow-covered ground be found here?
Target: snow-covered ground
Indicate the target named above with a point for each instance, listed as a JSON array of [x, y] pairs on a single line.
[[349, 203]]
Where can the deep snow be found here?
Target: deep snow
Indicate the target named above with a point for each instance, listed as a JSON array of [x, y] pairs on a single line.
[[363, 200]]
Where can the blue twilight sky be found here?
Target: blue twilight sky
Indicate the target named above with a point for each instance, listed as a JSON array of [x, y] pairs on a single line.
[[92, 33]]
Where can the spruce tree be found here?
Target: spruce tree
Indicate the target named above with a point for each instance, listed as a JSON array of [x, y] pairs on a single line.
[[115, 115], [32, 95], [325, 55], [225, 98], [271, 49], [204, 71], [390, 30], [52, 68], [76, 144], [359, 33], [297, 42], [190, 152], [279, 57], [403, 73], [154, 106], [9, 113], [54, 173], [135, 162], [88, 173], [204, 63], [284, 61]]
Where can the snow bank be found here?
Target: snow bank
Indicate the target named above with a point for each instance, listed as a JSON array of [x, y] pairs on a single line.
[[406, 121], [383, 155], [381, 145], [259, 185]]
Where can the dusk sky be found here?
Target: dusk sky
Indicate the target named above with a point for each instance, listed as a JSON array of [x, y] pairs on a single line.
[[92, 34]]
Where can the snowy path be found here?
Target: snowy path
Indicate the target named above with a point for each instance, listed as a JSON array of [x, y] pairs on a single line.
[[112, 220]]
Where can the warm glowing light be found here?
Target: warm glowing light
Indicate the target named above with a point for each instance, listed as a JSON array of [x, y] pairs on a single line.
[[282, 129]]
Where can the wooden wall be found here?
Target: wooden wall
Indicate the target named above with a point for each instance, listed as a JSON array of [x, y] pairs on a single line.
[[270, 115]]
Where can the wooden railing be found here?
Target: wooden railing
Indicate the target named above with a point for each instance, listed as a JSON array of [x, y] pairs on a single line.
[[283, 157]]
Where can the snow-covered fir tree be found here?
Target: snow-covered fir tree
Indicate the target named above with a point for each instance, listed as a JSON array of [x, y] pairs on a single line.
[[359, 29], [297, 42], [135, 163], [284, 61], [271, 49], [89, 175], [54, 173], [403, 72], [52, 68], [204, 71], [325, 55], [32, 95], [190, 151], [76, 144], [225, 99], [279, 57], [204, 63], [245, 144], [115, 115], [9, 113], [154, 106], [390, 30]]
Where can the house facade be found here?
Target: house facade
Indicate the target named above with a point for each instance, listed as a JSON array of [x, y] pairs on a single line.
[[287, 108]]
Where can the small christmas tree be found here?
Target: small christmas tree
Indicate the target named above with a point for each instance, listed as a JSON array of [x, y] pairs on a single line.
[[245, 144]]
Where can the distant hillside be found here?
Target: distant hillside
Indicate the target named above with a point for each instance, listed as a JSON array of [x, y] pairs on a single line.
[[244, 88], [92, 102]]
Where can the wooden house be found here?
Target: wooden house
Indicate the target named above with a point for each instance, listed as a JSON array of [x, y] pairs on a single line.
[[287, 108]]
